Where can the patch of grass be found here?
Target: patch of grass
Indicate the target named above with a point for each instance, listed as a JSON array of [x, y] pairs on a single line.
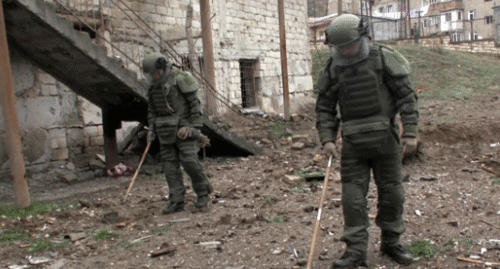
[[279, 129], [304, 174], [439, 73], [42, 244], [128, 244], [270, 199], [424, 249], [446, 74], [496, 181], [279, 219], [35, 208], [8, 237], [105, 235], [299, 188], [467, 242]]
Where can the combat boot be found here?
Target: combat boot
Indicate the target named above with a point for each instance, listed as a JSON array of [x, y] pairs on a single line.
[[201, 201], [173, 207], [350, 260], [397, 253]]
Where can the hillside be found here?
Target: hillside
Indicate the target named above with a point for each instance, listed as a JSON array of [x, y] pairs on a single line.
[[264, 208]]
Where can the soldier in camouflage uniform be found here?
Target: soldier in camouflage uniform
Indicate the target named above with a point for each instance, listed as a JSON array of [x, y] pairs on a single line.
[[370, 85], [175, 116]]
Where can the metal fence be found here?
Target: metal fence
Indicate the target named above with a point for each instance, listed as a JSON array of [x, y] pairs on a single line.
[[463, 29], [427, 26]]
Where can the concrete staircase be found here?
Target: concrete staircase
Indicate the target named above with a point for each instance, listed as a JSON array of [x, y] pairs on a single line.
[[70, 56]]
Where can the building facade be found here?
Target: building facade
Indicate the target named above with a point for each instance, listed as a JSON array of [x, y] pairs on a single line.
[[59, 127]]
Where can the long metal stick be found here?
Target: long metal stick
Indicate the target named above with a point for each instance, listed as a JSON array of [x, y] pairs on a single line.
[[137, 171], [318, 219]]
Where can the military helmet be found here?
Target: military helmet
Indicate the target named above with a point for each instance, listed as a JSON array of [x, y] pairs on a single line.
[[153, 61], [153, 67], [347, 36]]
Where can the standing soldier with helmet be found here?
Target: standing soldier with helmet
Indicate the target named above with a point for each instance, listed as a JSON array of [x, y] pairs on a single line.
[[370, 85], [175, 116]]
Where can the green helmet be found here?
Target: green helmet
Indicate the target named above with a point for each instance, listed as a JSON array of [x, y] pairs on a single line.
[[153, 67], [347, 36], [153, 61]]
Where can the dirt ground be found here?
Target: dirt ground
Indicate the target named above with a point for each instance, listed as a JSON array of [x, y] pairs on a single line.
[[259, 218]]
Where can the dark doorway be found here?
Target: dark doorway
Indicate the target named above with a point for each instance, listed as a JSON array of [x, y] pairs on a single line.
[[248, 85]]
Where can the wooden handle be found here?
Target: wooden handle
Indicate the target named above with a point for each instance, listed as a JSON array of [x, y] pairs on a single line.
[[136, 171], [320, 207]]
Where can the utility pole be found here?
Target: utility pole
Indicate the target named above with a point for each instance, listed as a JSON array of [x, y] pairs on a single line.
[[284, 67], [408, 14], [370, 2], [208, 56], [420, 29], [12, 129]]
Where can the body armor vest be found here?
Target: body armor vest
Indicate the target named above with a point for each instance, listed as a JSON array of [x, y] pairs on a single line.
[[362, 92], [366, 106], [168, 102], [172, 110]]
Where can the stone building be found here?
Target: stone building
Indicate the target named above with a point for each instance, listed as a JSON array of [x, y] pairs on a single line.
[[59, 126], [463, 20]]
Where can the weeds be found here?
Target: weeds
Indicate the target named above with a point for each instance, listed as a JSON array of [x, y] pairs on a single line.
[[299, 188], [42, 244], [8, 237], [424, 249], [105, 235], [279, 219], [467, 242], [496, 181], [270, 199], [279, 129], [36, 208], [128, 244], [303, 174]]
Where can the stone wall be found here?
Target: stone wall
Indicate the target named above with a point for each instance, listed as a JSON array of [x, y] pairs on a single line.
[[241, 30], [56, 124], [478, 46], [59, 127], [258, 39]]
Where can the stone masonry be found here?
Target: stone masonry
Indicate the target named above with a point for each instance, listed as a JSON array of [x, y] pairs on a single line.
[[60, 126]]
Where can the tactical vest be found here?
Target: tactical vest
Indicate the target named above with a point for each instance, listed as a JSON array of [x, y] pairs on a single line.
[[366, 106], [172, 110]]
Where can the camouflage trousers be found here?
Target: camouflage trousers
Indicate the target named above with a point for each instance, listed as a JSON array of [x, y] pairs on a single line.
[[356, 174], [185, 153]]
